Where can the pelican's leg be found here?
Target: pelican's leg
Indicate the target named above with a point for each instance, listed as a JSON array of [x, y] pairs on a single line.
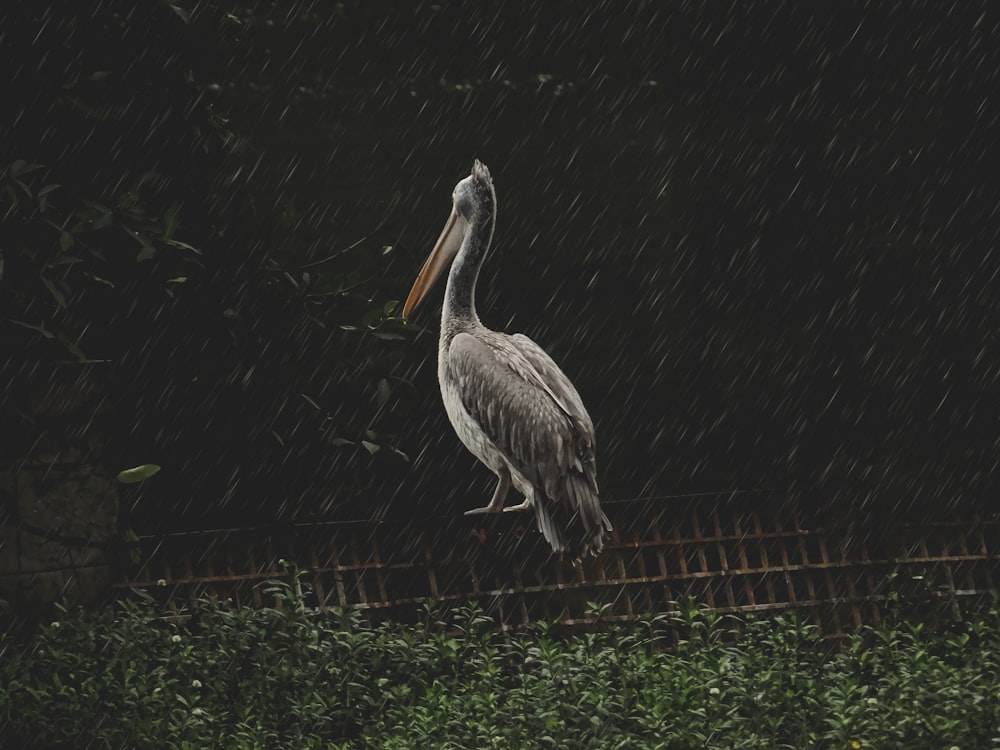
[[499, 497]]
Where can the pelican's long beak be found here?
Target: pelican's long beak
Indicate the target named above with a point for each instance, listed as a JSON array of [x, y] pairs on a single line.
[[440, 258]]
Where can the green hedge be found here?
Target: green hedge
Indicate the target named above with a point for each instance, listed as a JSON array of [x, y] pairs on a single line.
[[283, 678]]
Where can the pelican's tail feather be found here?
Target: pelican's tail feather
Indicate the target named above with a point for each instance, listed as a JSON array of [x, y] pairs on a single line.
[[574, 524]]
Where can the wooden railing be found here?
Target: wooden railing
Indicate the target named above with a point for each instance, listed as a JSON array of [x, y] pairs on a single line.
[[728, 561]]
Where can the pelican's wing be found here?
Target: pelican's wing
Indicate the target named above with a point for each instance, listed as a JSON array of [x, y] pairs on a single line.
[[532, 413], [533, 363]]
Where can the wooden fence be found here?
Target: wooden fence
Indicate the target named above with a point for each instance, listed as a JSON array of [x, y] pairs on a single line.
[[729, 561]]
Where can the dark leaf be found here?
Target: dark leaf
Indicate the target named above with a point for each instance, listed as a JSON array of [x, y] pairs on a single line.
[[181, 13], [183, 245], [137, 474], [54, 291], [41, 329], [20, 167]]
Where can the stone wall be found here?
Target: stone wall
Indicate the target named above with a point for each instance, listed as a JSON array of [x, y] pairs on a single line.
[[58, 504], [54, 541]]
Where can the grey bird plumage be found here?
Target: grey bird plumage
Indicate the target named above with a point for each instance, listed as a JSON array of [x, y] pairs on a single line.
[[509, 403]]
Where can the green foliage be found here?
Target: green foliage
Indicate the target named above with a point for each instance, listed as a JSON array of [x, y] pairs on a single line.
[[286, 677]]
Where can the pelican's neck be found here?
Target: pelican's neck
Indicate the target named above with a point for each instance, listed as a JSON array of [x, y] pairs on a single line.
[[460, 294]]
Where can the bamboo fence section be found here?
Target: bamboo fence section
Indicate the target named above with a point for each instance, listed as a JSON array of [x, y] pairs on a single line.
[[729, 562]]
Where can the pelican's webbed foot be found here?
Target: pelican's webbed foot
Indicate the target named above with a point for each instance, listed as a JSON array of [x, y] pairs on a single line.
[[526, 505]]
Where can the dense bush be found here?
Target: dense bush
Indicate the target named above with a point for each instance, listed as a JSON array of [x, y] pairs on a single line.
[[288, 678], [161, 310]]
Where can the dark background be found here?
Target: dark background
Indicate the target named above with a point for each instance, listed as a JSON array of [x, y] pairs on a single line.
[[761, 239]]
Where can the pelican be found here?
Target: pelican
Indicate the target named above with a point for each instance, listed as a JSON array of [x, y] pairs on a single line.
[[510, 404]]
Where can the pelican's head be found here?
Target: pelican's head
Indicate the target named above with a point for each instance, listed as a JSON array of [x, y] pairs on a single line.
[[473, 198], [473, 205]]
